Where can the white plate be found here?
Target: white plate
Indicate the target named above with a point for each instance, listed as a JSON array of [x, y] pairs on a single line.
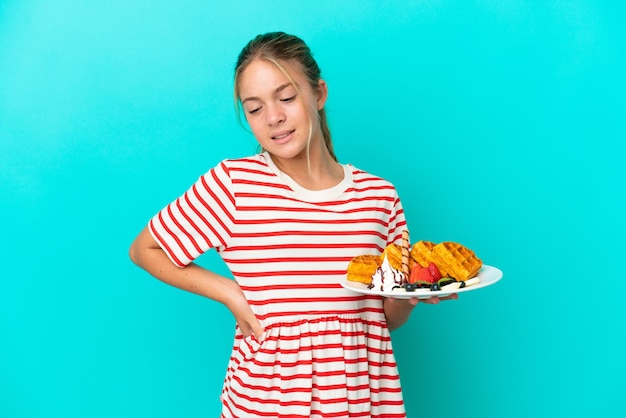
[[488, 275]]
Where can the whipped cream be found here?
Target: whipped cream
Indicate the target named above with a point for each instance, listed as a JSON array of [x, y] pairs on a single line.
[[386, 277]]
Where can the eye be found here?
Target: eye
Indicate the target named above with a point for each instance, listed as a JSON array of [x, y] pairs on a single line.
[[254, 111], [288, 99]]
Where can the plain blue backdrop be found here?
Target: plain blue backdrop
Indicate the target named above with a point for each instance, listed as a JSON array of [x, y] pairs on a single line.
[[500, 122]]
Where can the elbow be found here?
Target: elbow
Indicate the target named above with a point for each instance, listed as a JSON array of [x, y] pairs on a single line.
[[137, 249], [142, 249], [133, 253]]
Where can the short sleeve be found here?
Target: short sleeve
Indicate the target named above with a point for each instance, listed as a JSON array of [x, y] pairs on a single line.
[[397, 222], [200, 219]]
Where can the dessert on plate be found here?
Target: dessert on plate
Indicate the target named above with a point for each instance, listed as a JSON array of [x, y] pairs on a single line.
[[425, 266]]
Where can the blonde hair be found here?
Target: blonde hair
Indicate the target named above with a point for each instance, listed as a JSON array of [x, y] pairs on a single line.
[[279, 46]]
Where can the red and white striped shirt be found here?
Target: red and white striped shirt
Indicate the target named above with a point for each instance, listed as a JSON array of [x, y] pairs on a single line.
[[325, 351]]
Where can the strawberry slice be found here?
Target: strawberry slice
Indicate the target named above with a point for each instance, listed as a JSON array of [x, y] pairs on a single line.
[[420, 274], [434, 272], [415, 272]]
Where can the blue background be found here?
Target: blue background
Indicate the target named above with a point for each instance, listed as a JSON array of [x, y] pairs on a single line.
[[500, 122]]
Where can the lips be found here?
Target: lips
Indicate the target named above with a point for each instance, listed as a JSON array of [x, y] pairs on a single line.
[[282, 135]]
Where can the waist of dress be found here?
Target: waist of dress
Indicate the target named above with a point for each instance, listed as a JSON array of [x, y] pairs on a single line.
[[312, 326], [367, 319], [321, 321], [294, 310]]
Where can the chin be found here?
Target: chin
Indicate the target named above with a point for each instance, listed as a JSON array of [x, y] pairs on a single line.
[[287, 152]]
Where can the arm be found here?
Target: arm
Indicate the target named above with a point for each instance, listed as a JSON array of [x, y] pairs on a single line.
[[397, 311], [147, 254]]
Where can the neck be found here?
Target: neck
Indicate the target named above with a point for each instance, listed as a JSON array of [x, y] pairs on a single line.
[[317, 172]]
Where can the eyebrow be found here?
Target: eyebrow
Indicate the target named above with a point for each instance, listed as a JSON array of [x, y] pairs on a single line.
[[278, 90]]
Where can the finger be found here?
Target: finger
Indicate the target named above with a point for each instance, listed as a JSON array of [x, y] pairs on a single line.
[[411, 301], [245, 331], [392, 299], [251, 326], [433, 300], [258, 332]]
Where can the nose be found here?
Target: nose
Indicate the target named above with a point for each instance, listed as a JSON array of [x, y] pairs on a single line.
[[274, 115]]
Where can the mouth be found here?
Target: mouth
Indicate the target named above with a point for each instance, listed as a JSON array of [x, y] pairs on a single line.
[[282, 135]]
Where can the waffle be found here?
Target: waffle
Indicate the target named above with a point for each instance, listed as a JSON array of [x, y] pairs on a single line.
[[362, 267], [420, 252], [456, 260], [393, 252]]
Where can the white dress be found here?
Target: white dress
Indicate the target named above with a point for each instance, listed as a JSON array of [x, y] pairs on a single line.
[[325, 351]]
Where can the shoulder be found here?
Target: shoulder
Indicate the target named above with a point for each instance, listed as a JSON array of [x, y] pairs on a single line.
[[243, 174], [253, 165], [364, 179]]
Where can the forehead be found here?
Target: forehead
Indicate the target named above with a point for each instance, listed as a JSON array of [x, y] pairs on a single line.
[[261, 76]]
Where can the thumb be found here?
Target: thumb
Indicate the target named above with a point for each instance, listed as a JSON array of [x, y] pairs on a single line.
[[250, 327]]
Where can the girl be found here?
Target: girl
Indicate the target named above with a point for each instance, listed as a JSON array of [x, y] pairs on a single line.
[[287, 222]]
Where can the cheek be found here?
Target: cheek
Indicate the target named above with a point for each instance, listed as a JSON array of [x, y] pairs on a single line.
[[253, 123], [256, 127]]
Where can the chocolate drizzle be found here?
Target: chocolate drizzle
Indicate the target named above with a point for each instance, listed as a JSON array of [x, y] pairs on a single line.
[[397, 277]]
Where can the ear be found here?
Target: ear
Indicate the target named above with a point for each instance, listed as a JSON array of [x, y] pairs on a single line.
[[322, 94]]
